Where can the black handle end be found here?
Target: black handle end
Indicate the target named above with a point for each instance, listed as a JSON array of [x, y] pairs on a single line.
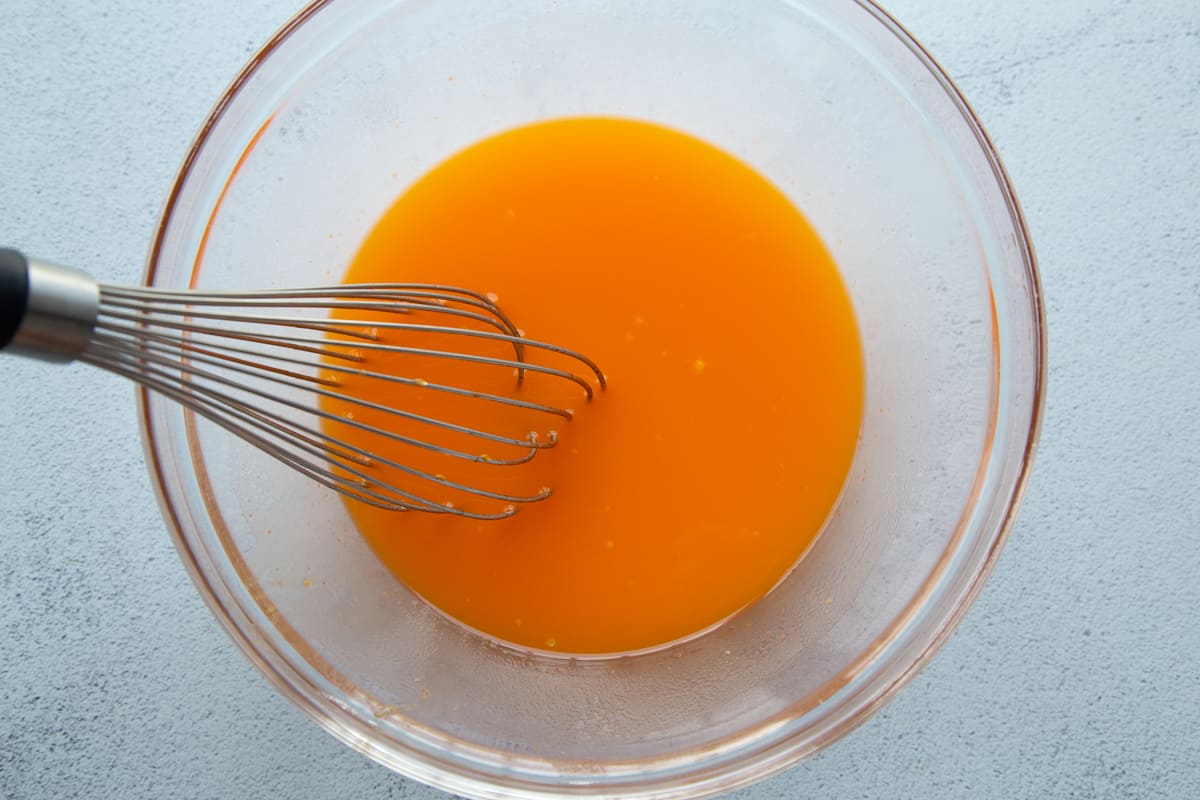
[[14, 292]]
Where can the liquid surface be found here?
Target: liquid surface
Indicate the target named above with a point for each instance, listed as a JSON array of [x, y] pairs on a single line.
[[693, 484]]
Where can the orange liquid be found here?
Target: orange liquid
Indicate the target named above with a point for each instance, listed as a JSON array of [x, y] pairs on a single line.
[[693, 484]]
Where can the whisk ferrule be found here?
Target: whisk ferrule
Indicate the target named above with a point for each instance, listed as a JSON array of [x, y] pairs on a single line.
[[54, 308]]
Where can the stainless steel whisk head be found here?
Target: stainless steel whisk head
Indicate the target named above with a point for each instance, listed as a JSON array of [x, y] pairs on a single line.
[[261, 364]]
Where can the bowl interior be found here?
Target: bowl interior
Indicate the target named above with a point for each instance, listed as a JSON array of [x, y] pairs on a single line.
[[846, 115]]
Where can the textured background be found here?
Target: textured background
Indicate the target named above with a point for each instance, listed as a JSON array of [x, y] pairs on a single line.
[[1077, 673]]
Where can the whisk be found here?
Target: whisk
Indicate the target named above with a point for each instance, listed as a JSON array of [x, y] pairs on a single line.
[[260, 364]]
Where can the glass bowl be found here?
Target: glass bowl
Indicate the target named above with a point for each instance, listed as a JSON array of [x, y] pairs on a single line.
[[852, 119]]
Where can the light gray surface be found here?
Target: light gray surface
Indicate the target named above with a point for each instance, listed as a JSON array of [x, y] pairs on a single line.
[[1077, 673]]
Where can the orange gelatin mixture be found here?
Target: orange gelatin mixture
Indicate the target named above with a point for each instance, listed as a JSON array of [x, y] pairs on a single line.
[[691, 486]]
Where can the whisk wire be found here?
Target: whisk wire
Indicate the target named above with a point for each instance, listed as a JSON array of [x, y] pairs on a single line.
[[318, 346], [363, 487], [148, 357], [254, 359], [232, 413]]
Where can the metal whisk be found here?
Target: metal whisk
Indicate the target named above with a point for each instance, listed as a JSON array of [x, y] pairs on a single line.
[[259, 363]]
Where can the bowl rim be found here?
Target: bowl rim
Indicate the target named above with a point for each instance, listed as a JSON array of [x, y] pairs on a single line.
[[919, 644]]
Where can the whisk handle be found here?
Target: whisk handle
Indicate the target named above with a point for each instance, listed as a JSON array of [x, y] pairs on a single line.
[[46, 311], [14, 293]]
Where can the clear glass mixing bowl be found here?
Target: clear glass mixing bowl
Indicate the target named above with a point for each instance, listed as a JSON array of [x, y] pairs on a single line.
[[850, 117]]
